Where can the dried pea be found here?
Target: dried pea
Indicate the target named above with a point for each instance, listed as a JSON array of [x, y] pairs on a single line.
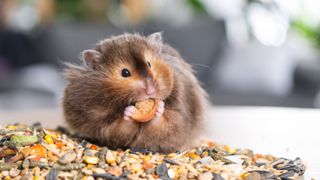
[[21, 140]]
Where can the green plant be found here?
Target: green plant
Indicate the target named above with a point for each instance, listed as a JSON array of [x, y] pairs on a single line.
[[307, 31]]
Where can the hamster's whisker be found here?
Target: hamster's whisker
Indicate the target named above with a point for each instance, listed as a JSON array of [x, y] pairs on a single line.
[[201, 65]]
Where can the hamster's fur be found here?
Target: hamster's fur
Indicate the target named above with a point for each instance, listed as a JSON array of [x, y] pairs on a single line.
[[100, 91]]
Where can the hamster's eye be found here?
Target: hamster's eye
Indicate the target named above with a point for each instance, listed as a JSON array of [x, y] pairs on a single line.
[[125, 72], [149, 64]]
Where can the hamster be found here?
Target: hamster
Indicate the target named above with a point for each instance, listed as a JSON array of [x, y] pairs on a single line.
[[98, 100]]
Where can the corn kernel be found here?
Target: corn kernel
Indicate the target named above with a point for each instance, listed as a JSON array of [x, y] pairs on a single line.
[[135, 167], [54, 134], [229, 149], [110, 158], [91, 159], [193, 156], [12, 127], [146, 158], [205, 153], [244, 175], [172, 155], [48, 139]]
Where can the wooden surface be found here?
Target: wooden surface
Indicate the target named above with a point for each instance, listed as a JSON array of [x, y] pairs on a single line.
[[285, 132]]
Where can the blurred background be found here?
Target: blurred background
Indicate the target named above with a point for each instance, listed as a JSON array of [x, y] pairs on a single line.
[[245, 52]]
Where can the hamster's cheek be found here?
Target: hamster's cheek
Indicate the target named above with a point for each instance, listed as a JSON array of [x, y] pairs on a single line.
[[164, 78], [137, 84], [97, 112]]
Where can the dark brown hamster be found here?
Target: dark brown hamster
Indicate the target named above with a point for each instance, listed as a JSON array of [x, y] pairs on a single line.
[[122, 70]]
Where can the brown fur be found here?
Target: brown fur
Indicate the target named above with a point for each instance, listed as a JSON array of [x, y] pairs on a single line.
[[97, 94]]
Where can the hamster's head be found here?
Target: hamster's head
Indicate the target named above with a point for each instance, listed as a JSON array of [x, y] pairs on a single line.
[[128, 68]]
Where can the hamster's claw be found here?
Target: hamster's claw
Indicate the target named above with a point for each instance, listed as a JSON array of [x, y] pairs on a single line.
[[160, 108], [128, 112]]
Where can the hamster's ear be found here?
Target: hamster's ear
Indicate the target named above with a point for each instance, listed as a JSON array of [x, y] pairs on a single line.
[[155, 39], [91, 57]]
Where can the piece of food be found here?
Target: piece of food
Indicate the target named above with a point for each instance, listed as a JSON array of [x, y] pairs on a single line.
[[146, 110], [76, 158], [22, 140]]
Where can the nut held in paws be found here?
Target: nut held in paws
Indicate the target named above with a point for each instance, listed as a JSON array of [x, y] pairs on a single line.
[[146, 110]]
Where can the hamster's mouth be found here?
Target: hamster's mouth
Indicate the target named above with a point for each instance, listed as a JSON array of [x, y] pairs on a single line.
[[133, 103]]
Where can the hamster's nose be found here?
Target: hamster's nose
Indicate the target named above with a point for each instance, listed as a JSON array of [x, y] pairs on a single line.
[[150, 88]]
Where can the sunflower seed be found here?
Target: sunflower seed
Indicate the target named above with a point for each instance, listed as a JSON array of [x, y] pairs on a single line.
[[67, 157], [217, 177], [52, 175], [170, 161], [161, 169]]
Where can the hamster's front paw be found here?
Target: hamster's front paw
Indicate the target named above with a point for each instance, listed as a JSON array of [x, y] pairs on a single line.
[[128, 112], [160, 108]]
